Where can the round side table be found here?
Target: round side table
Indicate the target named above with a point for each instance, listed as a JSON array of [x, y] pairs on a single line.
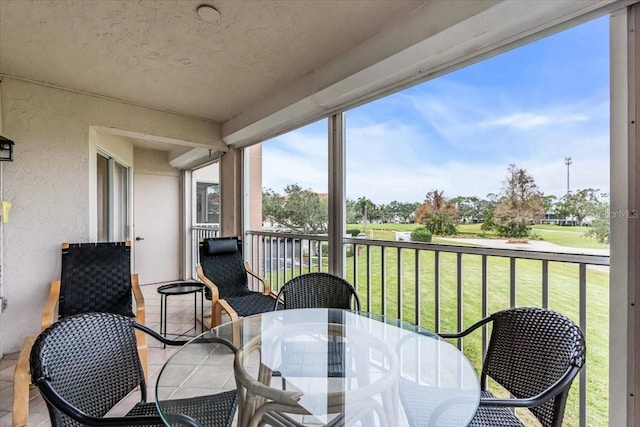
[[180, 288]]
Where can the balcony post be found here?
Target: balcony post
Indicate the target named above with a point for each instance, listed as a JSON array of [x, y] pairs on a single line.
[[624, 389], [337, 210], [231, 193]]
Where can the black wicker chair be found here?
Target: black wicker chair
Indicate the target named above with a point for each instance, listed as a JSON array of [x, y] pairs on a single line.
[[225, 275], [316, 290], [534, 354], [94, 277], [84, 365], [97, 277]]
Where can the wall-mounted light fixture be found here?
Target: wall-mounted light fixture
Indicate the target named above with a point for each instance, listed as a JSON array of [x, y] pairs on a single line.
[[6, 149]]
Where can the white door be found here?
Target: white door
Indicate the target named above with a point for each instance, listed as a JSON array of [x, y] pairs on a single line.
[[156, 228]]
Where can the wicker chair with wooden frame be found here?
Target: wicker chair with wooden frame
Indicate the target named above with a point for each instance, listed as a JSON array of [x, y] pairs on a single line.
[[85, 365], [94, 277], [225, 275], [533, 353]]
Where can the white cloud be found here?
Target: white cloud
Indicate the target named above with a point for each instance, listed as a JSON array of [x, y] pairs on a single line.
[[295, 158], [391, 161], [532, 120]]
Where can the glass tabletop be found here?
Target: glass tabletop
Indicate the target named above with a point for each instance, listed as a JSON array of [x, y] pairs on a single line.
[[325, 366]]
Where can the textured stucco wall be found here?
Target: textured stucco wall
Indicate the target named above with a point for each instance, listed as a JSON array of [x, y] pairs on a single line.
[[48, 184], [153, 162], [118, 147]]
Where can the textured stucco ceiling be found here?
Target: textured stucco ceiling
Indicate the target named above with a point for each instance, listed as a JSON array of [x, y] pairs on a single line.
[[159, 53]]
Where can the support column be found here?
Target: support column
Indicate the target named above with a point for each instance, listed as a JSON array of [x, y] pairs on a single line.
[[231, 193], [253, 188], [633, 238], [337, 193], [624, 353]]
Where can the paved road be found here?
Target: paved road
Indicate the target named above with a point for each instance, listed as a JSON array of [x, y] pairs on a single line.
[[532, 245]]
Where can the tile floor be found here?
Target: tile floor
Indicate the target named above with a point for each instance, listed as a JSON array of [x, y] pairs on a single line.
[[180, 319]]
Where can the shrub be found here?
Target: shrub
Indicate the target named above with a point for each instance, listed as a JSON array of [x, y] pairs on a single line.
[[421, 234], [515, 230], [350, 250], [353, 231], [325, 248], [488, 225]]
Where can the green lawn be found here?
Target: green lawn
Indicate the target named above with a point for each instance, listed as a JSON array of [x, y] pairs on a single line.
[[567, 236], [563, 297], [563, 280]]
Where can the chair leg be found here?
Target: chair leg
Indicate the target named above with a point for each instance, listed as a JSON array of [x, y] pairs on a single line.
[[216, 315], [21, 385], [205, 320]]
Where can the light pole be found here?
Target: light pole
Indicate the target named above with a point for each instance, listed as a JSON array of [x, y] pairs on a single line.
[[567, 161]]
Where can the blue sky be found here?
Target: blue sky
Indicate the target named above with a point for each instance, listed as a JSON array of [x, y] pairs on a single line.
[[532, 106]]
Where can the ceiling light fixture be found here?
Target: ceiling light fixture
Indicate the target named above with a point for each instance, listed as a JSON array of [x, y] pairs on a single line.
[[208, 13]]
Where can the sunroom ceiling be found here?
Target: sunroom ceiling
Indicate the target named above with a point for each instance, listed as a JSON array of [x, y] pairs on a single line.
[[266, 65]]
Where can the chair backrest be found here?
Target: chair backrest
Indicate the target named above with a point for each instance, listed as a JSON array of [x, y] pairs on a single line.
[[318, 290], [95, 277], [89, 360], [531, 349], [222, 263]]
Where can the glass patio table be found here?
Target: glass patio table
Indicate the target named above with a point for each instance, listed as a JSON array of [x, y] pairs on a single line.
[[325, 366]]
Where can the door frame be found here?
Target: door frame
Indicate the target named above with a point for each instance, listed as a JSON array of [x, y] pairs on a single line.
[[181, 237]]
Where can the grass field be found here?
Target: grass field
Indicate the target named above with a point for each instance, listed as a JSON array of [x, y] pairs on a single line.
[[563, 297]]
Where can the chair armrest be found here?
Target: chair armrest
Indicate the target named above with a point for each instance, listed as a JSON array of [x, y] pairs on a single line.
[[266, 289], [215, 294], [157, 336], [229, 309], [216, 315], [139, 299], [49, 312], [72, 411], [549, 393], [21, 383], [466, 331], [22, 366]]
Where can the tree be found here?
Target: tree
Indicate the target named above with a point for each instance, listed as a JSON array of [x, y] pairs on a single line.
[[351, 211], [300, 210], [579, 204], [520, 206], [600, 224], [437, 214], [272, 204], [402, 211], [363, 205], [469, 208], [548, 203], [380, 213], [487, 208]]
